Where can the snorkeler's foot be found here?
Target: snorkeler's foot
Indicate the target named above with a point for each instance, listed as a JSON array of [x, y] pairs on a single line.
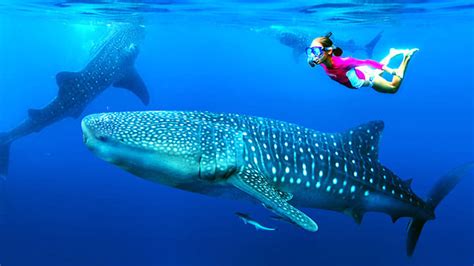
[[394, 51], [411, 52], [406, 58]]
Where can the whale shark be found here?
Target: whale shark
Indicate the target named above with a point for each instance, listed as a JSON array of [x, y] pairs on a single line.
[[298, 41], [281, 165], [112, 65]]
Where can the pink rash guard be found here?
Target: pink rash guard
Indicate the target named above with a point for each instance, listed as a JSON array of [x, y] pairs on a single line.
[[342, 65]]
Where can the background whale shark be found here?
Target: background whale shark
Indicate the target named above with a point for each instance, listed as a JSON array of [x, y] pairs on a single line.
[[280, 165], [112, 65], [298, 41]]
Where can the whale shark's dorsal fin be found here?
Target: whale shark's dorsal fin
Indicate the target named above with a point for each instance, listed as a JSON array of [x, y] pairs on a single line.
[[365, 139], [256, 185], [134, 83]]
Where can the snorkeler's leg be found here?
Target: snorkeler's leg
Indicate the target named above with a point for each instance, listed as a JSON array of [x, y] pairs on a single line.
[[391, 54], [386, 60], [406, 59], [382, 85]]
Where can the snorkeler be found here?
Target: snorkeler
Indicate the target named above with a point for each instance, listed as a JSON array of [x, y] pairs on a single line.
[[354, 73]]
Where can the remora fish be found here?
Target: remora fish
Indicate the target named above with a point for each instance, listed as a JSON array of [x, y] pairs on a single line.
[[248, 220], [281, 165], [113, 65]]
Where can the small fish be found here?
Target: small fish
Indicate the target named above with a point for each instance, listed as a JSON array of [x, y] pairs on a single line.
[[249, 220]]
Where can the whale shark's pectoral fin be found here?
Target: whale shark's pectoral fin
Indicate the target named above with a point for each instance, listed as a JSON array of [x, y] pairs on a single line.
[[134, 83], [253, 183]]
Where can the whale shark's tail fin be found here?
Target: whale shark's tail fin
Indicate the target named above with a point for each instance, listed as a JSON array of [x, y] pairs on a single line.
[[4, 154], [442, 188], [369, 47]]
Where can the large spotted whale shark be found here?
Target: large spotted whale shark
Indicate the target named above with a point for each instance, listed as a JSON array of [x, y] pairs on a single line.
[[281, 165], [112, 65]]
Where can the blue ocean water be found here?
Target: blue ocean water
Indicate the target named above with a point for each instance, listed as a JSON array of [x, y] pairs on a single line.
[[67, 207]]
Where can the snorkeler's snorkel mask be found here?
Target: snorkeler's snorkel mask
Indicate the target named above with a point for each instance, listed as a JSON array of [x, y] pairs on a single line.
[[316, 52]]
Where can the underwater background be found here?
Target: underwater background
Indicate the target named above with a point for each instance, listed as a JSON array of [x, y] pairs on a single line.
[[67, 207]]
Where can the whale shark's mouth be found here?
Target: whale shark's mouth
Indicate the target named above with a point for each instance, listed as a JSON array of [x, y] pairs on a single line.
[[85, 133], [84, 138], [98, 143], [88, 138]]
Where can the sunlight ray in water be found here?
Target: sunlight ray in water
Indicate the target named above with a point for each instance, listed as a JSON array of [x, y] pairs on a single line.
[[304, 13]]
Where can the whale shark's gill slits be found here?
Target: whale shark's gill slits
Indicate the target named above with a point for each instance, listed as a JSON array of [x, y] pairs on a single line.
[[207, 165], [318, 165], [274, 150], [309, 163], [271, 164], [224, 146], [261, 133], [345, 167], [285, 154], [327, 163], [256, 152], [300, 153], [291, 166], [353, 171], [279, 147], [311, 153], [280, 152], [293, 152]]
